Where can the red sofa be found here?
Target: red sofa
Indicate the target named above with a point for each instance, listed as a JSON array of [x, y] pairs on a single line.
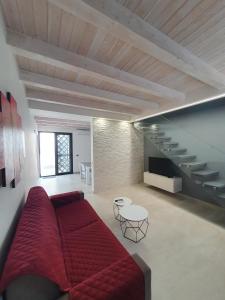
[[63, 250]]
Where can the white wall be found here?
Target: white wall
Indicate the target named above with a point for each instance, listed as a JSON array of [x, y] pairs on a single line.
[[117, 154], [81, 144], [11, 199]]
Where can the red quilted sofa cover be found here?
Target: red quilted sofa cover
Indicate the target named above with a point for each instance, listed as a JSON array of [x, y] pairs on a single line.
[[63, 239]]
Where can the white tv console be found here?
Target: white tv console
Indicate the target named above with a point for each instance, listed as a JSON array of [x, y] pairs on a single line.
[[172, 185]]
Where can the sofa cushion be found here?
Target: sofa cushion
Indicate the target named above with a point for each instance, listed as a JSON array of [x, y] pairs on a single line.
[[89, 250], [75, 215], [36, 248], [122, 280], [66, 198]]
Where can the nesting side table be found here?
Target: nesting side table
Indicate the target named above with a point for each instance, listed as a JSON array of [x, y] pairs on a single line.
[[134, 222], [118, 203]]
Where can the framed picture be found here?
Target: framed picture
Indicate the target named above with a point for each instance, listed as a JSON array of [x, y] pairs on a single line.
[[15, 119], [2, 151], [7, 140], [11, 142], [2, 159]]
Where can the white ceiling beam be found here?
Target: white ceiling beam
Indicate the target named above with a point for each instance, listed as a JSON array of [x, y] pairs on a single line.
[[121, 22], [44, 124], [80, 102], [54, 84], [61, 124], [40, 107], [46, 53], [59, 120]]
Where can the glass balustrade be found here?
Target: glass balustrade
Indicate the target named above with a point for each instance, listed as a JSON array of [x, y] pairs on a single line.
[[203, 162]]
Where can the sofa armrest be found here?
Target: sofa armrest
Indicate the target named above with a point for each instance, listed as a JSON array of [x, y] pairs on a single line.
[[65, 198], [147, 274], [122, 280]]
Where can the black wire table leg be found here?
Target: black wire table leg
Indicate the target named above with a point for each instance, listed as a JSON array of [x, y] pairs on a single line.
[[136, 227]]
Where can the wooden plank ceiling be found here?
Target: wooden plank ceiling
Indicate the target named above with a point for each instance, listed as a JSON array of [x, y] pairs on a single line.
[[169, 54]]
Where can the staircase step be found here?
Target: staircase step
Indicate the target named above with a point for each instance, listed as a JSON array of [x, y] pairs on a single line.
[[193, 166], [161, 139], [154, 126], [170, 145], [150, 128], [156, 133], [217, 184], [222, 196], [198, 182], [184, 157], [172, 151], [204, 175]]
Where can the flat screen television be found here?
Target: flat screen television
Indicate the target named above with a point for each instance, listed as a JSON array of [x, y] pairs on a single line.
[[161, 166]]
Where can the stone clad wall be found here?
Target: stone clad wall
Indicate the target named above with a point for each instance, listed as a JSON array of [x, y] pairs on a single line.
[[117, 154]]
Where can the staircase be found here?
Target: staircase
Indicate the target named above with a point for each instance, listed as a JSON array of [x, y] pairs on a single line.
[[198, 171]]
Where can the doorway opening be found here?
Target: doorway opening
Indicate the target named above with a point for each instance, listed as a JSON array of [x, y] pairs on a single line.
[[56, 153]]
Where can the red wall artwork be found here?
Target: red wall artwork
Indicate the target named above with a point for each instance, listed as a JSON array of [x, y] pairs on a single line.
[[16, 127], [11, 142], [2, 160]]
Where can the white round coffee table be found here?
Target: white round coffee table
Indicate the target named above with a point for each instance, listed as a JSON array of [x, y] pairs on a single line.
[[118, 203], [134, 222]]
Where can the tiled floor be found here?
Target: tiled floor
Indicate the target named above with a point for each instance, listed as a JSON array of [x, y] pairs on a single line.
[[185, 244], [64, 183]]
